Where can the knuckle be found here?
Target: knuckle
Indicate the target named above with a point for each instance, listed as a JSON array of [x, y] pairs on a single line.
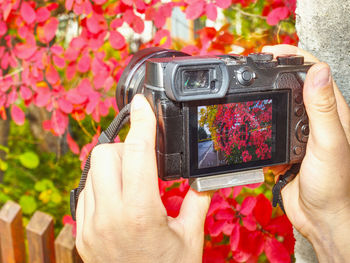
[[137, 146], [325, 104], [101, 150]]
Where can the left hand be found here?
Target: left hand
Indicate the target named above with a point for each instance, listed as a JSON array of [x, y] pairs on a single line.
[[120, 215]]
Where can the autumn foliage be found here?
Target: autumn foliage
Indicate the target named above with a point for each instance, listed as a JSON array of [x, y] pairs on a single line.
[[66, 57]]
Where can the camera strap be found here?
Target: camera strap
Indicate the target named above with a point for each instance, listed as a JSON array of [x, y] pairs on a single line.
[[107, 136], [282, 181]]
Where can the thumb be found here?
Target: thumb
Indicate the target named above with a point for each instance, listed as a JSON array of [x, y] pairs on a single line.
[[193, 211], [321, 107]]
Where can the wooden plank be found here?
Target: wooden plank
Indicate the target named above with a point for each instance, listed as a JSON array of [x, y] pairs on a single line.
[[11, 229], [40, 236], [66, 251]]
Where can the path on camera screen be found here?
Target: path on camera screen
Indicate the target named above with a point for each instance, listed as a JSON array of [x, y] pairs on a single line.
[[207, 156]]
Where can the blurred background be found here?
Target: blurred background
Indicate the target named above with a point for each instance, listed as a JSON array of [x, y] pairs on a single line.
[[60, 63]]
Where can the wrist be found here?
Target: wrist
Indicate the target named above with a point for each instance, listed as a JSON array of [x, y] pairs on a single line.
[[330, 236]]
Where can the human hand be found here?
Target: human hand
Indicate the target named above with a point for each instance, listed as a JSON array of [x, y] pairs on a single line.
[[120, 215], [317, 201]]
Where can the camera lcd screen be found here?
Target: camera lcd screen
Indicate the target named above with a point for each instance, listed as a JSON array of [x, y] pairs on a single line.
[[196, 79], [238, 132], [234, 133]]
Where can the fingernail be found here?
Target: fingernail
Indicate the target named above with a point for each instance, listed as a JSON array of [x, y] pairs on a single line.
[[322, 78], [138, 103]]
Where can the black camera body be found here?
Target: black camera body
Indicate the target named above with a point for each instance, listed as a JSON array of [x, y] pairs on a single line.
[[220, 115]]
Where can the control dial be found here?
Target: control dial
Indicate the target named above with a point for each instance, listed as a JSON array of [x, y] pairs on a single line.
[[290, 60], [261, 57], [245, 76]]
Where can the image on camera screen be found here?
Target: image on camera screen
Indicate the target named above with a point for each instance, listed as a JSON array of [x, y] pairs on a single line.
[[234, 133]]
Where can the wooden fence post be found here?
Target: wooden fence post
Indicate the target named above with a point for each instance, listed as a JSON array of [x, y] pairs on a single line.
[[11, 229], [40, 235], [65, 247]]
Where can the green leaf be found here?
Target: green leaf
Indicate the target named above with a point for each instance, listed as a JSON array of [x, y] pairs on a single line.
[[3, 165], [29, 160], [56, 198], [4, 148], [28, 204], [43, 185]]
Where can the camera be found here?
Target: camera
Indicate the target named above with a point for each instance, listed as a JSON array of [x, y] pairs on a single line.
[[220, 118]]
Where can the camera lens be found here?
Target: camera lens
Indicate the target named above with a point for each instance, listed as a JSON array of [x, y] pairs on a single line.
[[132, 79]]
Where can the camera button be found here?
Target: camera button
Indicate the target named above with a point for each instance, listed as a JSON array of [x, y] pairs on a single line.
[[297, 150], [261, 57], [245, 76], [305, 130], [299, 111], [290, 60], [302, 130], [298, 98]]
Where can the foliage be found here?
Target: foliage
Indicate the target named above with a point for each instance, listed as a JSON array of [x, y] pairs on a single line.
[[65, 57]]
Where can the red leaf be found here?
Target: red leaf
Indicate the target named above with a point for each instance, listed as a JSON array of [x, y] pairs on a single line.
[[42, 14], [68, 220], [225, 214], [211, 11], [84, 63], [118, 22], [95, 23], [25, 92], [27, 13], [236, 190], [56, 49], [65, 105], [262, 210], [217, 202], [275, 251], [17, 115], [99, 2], [24, 51], [138, 25], [226, 192], [217, 228], [235, 237], [50, 28], [194, 10], [117, 40], [46, 125], [59, 62], [276, 15], [248, 205], [3, 28], [223, 3], [73, 146], [59, 122], [52, 75], [249, 222]]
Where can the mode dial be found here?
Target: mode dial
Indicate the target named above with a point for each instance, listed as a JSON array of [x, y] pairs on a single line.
[[245, 76], [290, 60], [261, 57]]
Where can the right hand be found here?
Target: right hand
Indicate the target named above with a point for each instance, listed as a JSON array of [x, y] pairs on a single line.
[[317, 201]]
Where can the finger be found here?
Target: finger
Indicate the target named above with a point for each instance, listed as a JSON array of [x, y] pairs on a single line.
[[140, 181], [89, 201], [80, 213], [106, 165], [283, 49], [326, 130], [193, 212], [343, 111]]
